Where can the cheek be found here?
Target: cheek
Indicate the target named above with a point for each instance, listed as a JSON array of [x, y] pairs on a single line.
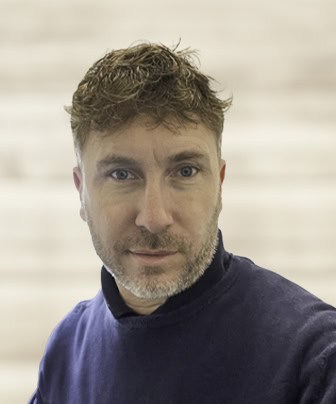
[[113, 219], [196, 212], [201, 201]]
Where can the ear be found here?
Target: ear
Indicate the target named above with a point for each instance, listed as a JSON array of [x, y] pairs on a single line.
[[78, 180], [222, 170]]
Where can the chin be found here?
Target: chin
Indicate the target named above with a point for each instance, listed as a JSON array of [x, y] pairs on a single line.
[[156, 284]]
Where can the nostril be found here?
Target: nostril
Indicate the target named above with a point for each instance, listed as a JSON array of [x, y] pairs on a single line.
[[154, 218], [153, 208]]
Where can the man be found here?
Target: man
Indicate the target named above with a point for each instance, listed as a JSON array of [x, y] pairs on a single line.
[[178, 319]]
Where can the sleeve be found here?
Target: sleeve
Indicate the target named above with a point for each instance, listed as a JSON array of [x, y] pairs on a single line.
[[36, 398], [318, 381], [317, 339], [50, 367], [328, 382]]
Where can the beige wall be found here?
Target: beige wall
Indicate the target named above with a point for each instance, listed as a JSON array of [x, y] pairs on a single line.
[[279, 61]]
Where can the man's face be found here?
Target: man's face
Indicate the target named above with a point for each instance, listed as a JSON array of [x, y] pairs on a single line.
[[151, 198]]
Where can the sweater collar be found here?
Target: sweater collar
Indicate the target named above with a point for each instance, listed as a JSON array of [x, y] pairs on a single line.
[[211, 276]]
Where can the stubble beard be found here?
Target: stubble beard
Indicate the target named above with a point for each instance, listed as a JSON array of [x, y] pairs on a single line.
[[150, 282]]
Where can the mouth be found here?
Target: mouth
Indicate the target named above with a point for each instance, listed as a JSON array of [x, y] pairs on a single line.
[[149, 257]]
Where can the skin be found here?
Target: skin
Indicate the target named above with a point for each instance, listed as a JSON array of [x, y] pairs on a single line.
[[151, 198]]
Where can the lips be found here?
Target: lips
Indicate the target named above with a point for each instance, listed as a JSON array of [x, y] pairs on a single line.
[[152, 252], [149, 257]]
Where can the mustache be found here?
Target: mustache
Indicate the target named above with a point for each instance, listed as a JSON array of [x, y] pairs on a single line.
[[144, 239]]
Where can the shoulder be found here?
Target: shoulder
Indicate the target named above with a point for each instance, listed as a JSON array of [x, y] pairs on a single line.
[[280, 306], [66, 345], [75, 323], [281, 313], [269, 285], [286, 311]]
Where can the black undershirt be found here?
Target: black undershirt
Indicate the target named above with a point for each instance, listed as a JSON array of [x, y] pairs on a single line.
[[212, 275]]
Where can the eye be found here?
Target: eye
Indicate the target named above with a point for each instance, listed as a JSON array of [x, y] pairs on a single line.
[[188, 171], [122, 175]]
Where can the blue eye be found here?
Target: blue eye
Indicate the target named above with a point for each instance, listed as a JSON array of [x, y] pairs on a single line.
[[188, 171], [121, 175]]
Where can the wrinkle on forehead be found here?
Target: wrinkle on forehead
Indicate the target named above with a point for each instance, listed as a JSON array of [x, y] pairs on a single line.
[[147, 142]]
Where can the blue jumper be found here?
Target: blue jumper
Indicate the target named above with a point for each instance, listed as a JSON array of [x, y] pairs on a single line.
[[240, 335]]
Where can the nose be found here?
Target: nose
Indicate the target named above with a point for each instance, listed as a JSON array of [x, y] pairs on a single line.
[[154, 212]]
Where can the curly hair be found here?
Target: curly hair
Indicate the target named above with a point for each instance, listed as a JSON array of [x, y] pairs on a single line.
[[144, 80]]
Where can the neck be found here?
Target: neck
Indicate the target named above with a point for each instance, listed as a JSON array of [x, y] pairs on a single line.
[[137, 304]]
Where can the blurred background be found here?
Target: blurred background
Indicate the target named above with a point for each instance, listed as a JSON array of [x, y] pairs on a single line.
[[278, 59]]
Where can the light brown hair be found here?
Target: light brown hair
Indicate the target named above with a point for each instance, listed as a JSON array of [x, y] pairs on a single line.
[[144, 80]]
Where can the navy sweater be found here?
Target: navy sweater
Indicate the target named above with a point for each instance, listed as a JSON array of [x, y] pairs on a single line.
[[240, 335]]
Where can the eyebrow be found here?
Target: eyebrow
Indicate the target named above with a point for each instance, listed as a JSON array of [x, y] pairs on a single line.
[[188, 155], [114, 159]]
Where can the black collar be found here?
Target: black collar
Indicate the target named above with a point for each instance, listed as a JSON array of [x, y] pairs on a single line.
[[212, 275]]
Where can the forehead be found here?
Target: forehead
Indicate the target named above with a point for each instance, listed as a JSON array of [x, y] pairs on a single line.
[[141, 140]]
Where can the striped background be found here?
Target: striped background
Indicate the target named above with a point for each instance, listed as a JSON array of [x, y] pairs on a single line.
[[279, 61]]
